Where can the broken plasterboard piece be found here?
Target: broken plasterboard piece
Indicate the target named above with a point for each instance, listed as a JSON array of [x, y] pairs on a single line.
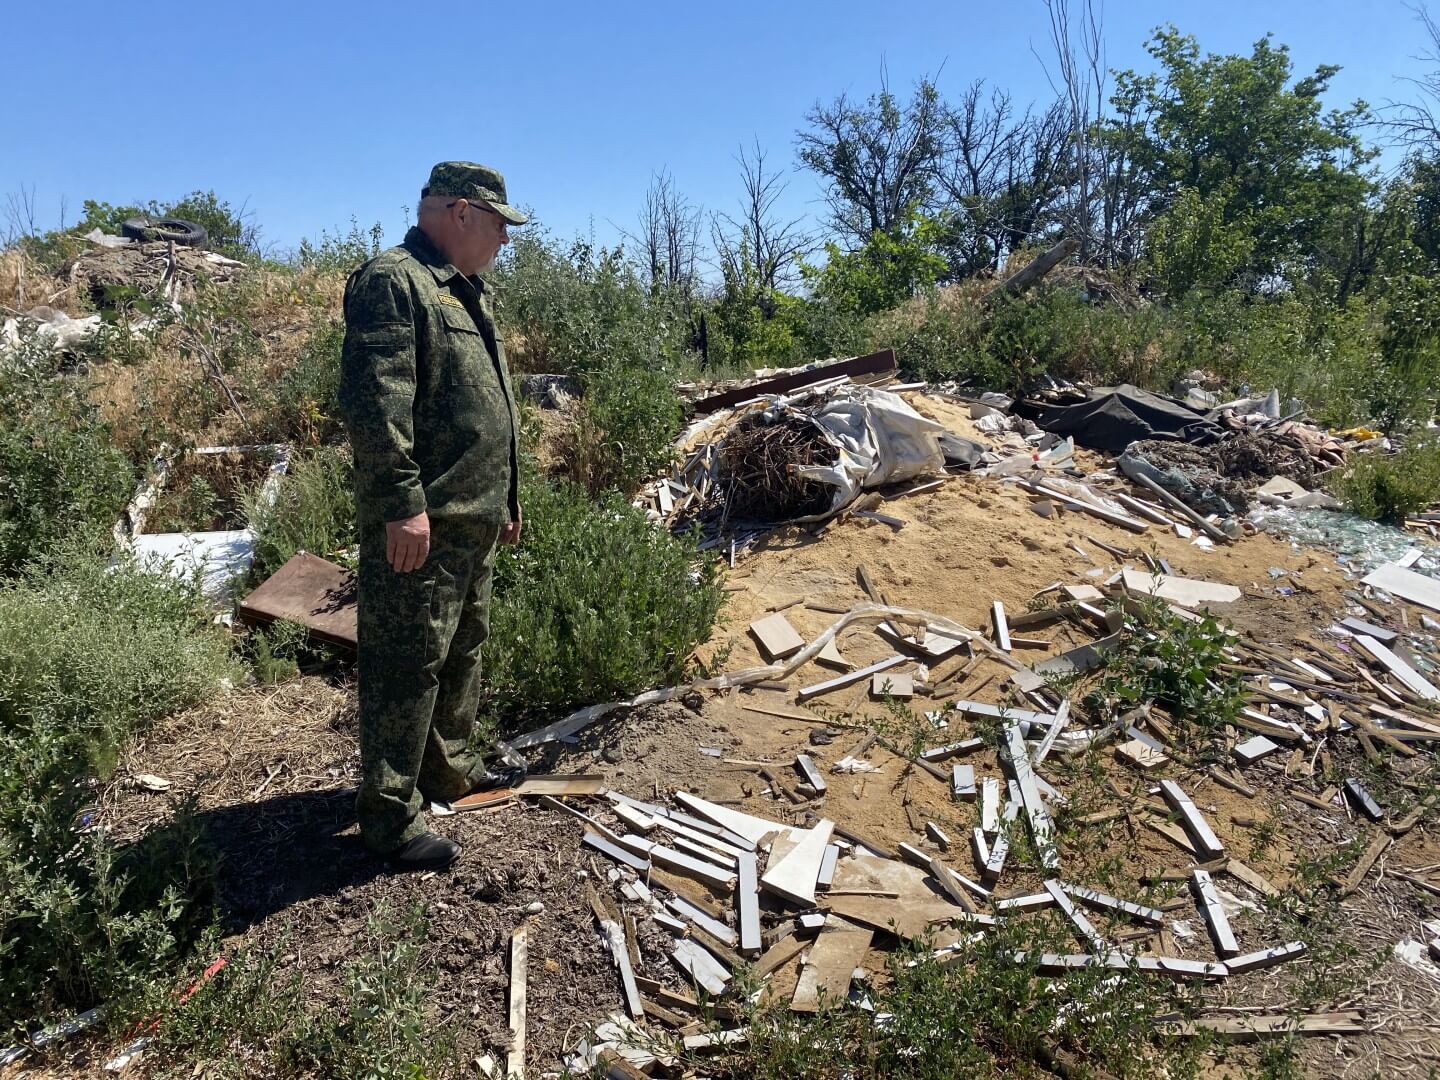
[[777, 638], [1135, 753], [1252, 750], [1406, 584], [897, 684], [825, 979], [1187, 592], [794, 876]]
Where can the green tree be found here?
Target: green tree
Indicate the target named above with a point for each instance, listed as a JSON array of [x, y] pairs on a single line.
[[1191, 244], [1239, 130], [891, 268]]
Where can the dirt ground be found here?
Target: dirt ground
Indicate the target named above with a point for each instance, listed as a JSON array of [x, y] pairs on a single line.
[[273, 771]]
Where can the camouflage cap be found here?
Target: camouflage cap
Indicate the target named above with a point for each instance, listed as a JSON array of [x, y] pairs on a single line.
[[474, 183]]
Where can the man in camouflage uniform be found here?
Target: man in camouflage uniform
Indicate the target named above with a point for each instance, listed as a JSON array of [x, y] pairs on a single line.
[[427, 400]]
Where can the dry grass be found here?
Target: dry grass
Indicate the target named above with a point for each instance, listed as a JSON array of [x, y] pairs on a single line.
[[24, 285]]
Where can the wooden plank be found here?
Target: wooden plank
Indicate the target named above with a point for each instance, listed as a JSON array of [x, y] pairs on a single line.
[[1002, 629], [794, 877], [946, 880], [615, 851], [870, 364], [1001, 847], [704, 920], [704, 970], [1368, 859], [679, 863], [776, 637], [942, 753], [907, 918], [1265, 958], [1215, 918], [1406, 584], [1240, 872], [1062, 717], [562, 785], [1070, 502], [1106, 902], [1042, 829], [747, 899], [1277, 1025], [1088, 933], [515, 1059], [979, 848], [1174, 503], [1187, 592], [1169, 966], [1207, 844], [825, 980], [828, 865], [620, 953], [990, 805], [1412, 679], [780, 954], [849, 678], [998, 712], [752, 829], [1379, 633]]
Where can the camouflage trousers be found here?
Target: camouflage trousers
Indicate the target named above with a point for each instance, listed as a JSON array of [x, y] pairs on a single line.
[[419, 643]]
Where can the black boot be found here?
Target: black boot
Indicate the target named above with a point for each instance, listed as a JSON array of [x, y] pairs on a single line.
[[425, 852]]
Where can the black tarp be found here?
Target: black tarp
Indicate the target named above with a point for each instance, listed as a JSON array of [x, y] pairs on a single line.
[[1115, 416]]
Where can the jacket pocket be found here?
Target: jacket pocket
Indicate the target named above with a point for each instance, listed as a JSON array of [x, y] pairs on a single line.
[[467, 360]]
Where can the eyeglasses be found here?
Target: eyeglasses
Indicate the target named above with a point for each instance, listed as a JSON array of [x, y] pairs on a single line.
[[479, 206]]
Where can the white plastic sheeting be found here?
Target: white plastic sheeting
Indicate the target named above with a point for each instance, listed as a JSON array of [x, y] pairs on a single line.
[[881, 440]]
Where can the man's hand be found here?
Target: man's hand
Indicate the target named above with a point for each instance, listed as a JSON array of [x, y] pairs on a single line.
[[510, 534], [407, 542]]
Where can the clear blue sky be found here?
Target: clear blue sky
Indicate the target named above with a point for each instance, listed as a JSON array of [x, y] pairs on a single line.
[[310, 112]]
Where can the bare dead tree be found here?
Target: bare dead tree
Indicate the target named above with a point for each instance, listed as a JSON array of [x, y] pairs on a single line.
[[668, 236], [1002, 173], [1417, 123], [878, 158], [757, 238], [1079, 81]]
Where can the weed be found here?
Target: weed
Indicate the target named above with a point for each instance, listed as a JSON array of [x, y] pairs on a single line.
[[313, 510], [59, 475], [276, 651], [593, 605], [89, 655], [629, 418], [1175, 663], [1391, 487]]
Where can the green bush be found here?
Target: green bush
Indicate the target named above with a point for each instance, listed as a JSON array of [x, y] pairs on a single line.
[[595, 604], [59, 475], [314, 511], [628, 421], [577, 310], [1391, 487], [89, 656], [304, 405], [341, 252]]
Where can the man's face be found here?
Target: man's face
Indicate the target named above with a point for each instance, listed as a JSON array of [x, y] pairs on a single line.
[[483, 233]]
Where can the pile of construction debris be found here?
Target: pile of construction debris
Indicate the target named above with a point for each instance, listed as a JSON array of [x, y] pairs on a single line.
[[802, 447], [725, 888]]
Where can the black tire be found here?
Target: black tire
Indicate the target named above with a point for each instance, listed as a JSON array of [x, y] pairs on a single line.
[[185, 233]]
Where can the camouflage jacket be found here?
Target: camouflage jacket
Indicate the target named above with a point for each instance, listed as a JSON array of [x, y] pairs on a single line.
[[425, 392]]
